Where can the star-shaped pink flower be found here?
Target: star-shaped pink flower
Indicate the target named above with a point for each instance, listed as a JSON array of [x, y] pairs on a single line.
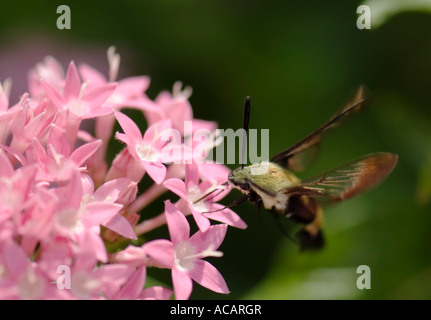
[[58, 163], [193, 193], [76, 99], [150, 149], [185, 254]]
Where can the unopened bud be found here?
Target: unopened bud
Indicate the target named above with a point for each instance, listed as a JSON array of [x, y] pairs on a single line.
[[128, 195], [124, 165]]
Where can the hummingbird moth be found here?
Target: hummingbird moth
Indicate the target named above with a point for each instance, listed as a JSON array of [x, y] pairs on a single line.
[[273, 185]]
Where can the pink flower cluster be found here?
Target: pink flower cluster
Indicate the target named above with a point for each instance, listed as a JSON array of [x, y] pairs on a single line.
[[62, 205]]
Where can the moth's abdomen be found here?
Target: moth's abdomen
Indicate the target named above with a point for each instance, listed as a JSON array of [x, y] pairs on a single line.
[[301, 209], [307, 211], [308, 241]]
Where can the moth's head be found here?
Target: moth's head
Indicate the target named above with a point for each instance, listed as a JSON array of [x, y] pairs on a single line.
[[240, 178]]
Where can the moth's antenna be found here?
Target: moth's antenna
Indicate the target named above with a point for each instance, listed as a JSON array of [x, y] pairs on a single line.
[[245, 131], [224, 184], [214, 195], [233, 203]]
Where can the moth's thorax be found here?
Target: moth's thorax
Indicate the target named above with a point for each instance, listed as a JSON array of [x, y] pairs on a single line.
[[268, 180], [266, 175]]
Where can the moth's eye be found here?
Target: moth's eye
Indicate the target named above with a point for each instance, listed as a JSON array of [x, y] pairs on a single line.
[[244, 186]]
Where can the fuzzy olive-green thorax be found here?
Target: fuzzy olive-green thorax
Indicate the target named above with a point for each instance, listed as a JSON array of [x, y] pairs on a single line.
[[266, 175]]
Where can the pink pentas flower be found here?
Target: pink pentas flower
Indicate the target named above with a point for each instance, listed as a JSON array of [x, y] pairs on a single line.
[[80, 220], [133, 288], [29, 204], [118, 191], [51, 71], [153, 149], [189, 252], [121, 190], [98, 283], [183, 254], [57, 162], [176, 107], [125, 165], [145, 149], [26, 125], [21, 279], [56, 251], [129, 92], [193, 193], [35, 222], [76, 99], [173, 106]]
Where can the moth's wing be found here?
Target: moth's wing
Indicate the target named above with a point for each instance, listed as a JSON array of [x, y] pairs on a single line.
[[348, 180], [299, 156], [302, 159]]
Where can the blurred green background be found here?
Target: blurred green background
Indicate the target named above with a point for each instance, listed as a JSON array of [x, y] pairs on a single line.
[[299, 61]]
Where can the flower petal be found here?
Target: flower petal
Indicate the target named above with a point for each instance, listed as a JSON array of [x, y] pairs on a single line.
[[214, 172], [192, 174], [134, 86], [159, 253], [154, 132], [156, 293], [98, 112], [99, 213], [156, 171], [14, 259], [130, 255], [58, 139], [179, 229], [201, 220], [209, 240], [129, 127], [133, 287], [91, 249], [123, 138], [226, 216], [177, 186], [97, 96], [203, 124], [182, 283], [209, 277], [92, 76], [176, 153], [72, 86], [54, 95], [110, 190], [120, 225], [73, 192], [81, 154], [114, 276]]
